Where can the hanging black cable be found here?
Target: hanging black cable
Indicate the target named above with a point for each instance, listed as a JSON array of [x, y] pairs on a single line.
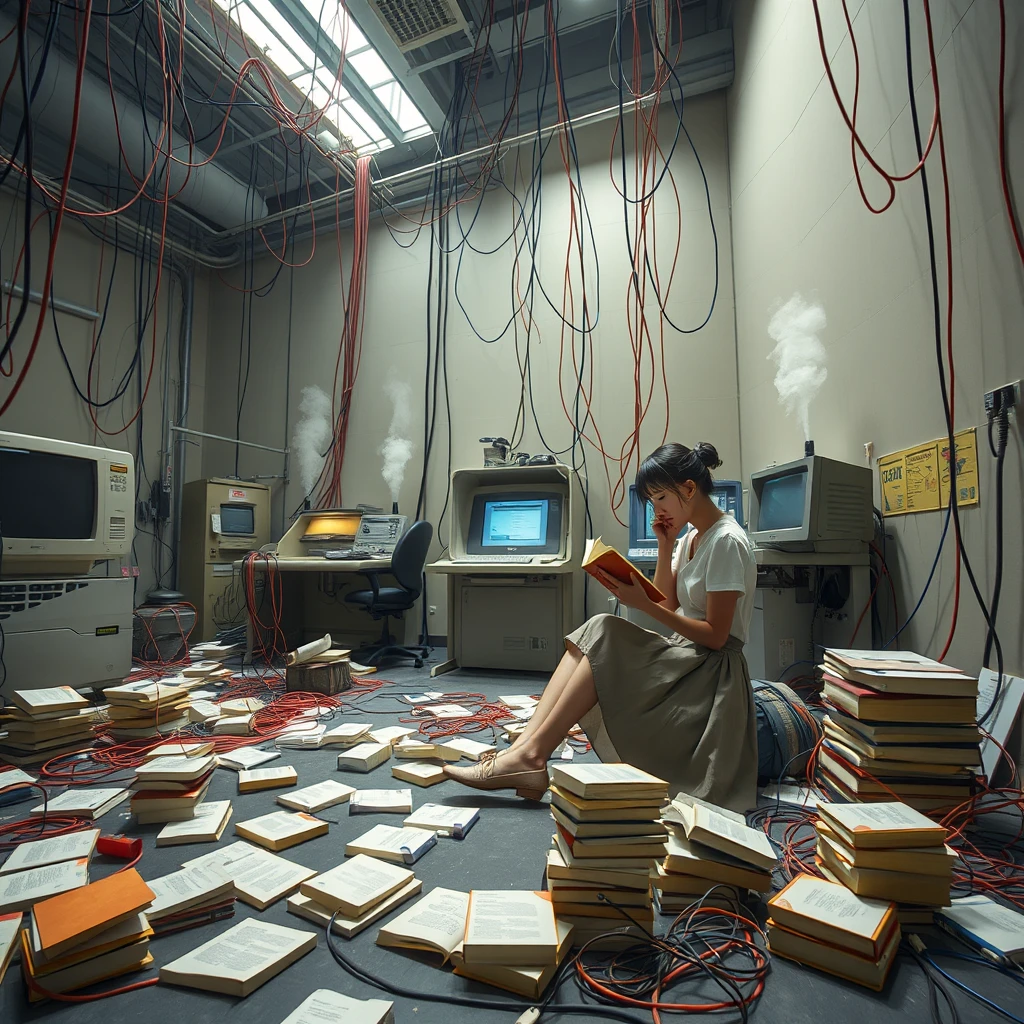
[[1001, 420]]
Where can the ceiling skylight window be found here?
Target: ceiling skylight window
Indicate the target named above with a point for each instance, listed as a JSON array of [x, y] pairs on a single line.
[[305, 63]]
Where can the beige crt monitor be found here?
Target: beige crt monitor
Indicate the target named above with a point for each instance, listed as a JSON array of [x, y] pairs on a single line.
[[63, 506]]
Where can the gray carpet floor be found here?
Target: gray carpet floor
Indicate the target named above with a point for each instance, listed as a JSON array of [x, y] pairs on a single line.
[[506, 849]]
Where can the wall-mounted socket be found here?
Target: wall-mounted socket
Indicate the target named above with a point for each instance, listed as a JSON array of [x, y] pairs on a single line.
[[432, 609], [869, 451], [1005, 397]]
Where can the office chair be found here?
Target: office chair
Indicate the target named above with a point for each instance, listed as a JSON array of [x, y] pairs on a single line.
[[383, 602]]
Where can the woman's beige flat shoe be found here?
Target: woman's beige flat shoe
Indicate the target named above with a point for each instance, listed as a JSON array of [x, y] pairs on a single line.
[[529, 785]]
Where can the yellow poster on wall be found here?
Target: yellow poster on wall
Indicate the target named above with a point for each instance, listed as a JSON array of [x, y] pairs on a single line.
[[917, 479]]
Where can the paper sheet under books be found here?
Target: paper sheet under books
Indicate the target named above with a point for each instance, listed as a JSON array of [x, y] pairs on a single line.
[[798, 796], [51, 851], [240, 960], [1000, 723], [327, 1007], [260, 877]]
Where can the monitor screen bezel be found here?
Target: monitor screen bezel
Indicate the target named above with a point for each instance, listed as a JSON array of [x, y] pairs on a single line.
[[554, 543], [799, 533], [233, 506]]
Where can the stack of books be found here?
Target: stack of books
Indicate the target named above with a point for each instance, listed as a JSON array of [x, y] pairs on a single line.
[[898, 724], [145, 708], [713, 858], [359, 891], [90, 934], [190, 897], [170, 788], [887, 851], [41, 724], [608, 840], [508, 939], [822, 924]]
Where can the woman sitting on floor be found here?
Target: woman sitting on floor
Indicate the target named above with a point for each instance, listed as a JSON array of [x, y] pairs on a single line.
[[680, 707]]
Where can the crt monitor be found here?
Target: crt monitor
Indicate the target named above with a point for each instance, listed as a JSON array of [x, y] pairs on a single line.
[[813, 504], [238, 520], [727, 495], [516, 522]]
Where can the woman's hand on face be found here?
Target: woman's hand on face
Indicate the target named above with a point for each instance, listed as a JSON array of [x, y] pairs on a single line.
[[665, 530]]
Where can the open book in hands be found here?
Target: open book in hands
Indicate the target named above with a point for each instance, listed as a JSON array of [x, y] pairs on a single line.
[[598, 555]]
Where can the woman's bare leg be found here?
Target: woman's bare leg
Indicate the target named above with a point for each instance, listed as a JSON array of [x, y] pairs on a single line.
[[548, 699]]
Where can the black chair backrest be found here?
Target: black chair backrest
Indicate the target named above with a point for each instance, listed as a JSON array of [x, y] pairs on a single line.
[[411, 555]]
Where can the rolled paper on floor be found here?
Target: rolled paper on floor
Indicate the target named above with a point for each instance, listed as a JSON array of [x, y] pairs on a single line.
[[307, 652]]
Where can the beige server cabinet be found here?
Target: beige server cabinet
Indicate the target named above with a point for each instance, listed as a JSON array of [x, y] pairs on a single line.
[[221, 520]]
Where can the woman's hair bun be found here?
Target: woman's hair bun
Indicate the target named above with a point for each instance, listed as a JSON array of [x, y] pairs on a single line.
[[708, 454]]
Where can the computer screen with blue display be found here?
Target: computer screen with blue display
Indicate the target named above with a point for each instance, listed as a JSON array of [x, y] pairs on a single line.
[[523, 523]]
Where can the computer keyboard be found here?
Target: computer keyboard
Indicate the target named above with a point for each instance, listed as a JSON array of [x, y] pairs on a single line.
[[497, 559], [642, 554]]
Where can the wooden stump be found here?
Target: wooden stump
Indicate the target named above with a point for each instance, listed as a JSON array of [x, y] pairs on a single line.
[[328, 678]]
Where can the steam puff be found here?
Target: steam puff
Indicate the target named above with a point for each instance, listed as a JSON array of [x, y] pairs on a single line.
[[397, 449], [799, 356], [313, 436]]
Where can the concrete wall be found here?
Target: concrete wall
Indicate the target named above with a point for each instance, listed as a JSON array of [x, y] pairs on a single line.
[[484, 379], [47, 404], [799, 225]]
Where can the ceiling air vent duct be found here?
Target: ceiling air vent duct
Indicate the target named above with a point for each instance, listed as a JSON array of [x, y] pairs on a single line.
[[414, 23]]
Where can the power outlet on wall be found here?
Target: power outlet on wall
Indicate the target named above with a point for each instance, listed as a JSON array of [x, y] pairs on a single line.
[[432, 609], [1005, 397]]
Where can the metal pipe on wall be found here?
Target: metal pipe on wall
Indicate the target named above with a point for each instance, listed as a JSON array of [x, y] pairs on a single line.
[[188, 288]]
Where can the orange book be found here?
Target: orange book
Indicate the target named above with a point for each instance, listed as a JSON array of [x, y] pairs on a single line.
[[74, 917], [599, 555]]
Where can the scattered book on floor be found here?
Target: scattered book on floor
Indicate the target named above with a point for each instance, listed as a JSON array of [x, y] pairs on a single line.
[[188, 888], [920, 860], [203, 712], [472, 749], [10, 925], [510, 927], [435, 924], [712, 828], [364, 757], [419, 774], [207, 826], [710, 865], [21, 889], [245, 758], [380, 801], [346, 734], [240, 960], [255, 779], [319, 797], [599, 556], [260, 878], [607, 781], [413, 749], [446, 821], [390, 734], [530, 982], [985, 925], [73, 917], [48, 700], [280, 830], [325, 1006], [831, 913], [878, 826], [310, 910], [40, 852], [401, 845], [301, 736], [180, 748], [232, 725], [356, 885], [82, 803], [175, 768]]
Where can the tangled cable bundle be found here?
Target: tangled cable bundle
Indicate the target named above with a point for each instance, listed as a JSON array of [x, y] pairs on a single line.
[[787, 732]]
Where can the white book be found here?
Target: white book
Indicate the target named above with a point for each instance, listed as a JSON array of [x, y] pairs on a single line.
[[891, 823], [437, 922], [255, 779], [301, 737], [318, 797], [203, 711], [41, 852], [260, 877], [364, 757], [510, 927], [422, 698], [346, 734], [15, 777], [175, 768], [240, 960], [402, 845], [445, 711], [356, 885], [10, 926], [83, 803], [448, 821], [179, 749], [233, 725], [380, 801], [605, 781], [21, 889], [473, 749], [50, 698], [245, 758], [211, 818], [391, 734], [281, 829], [310, 910], [518, 700], [327, 1007], [707, 826], [185, 888], [419, 774], [986, 925]]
